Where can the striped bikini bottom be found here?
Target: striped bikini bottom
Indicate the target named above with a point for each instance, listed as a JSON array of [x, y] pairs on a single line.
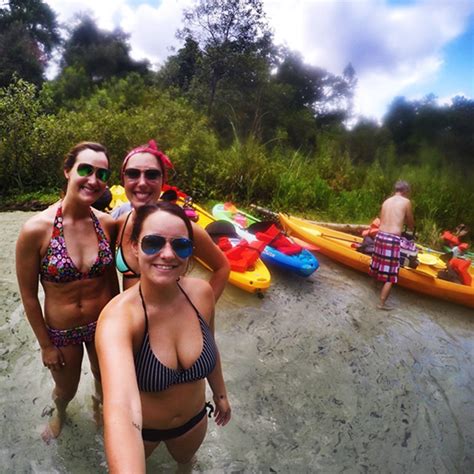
[[154, 435]]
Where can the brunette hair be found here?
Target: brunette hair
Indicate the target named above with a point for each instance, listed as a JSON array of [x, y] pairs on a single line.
[[144, 211], [71, 156]]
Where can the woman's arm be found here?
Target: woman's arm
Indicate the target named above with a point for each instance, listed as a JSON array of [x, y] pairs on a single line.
[[111, 227], [215, 379], [211, 254], [222, 413], [122, 407], [27, 262]]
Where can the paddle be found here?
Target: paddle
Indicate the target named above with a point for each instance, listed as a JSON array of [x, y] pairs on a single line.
[[322, 234], [356, 229], [262, 226]]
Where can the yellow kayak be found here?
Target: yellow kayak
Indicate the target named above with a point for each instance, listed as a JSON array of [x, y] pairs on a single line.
[[118, 196], [255, 280], [338, 246]]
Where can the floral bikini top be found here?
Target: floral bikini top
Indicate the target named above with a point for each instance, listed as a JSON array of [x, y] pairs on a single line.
[[58, 267]]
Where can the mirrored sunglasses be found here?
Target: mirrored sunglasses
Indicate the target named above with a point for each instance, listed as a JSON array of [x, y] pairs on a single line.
[[102, 174], [151, 174], [153, 243]]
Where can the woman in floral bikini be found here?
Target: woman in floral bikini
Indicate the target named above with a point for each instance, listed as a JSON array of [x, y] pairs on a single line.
[[69, 248]]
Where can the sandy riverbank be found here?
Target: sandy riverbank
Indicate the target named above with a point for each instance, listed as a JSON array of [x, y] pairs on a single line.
[[319, 382]]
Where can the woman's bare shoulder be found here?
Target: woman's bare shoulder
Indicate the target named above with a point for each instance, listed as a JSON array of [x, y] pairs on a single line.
[[122, 218], [42, 222], [200, 293], [121, 306], [196, 284], [106, 220]]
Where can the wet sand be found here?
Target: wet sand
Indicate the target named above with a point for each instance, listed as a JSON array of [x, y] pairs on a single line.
[[319, 380]]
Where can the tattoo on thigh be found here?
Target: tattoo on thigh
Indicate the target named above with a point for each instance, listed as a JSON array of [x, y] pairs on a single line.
[[137, 426]]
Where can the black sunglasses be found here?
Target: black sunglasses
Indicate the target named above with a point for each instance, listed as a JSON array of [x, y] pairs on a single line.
[[151, 174], [153, 243], [84, 169]]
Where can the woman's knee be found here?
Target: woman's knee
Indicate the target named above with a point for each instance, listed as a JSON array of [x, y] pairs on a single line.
[[64, 392]]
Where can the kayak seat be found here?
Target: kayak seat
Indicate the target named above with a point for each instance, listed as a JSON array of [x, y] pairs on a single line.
[[243, 255], [276, 239]]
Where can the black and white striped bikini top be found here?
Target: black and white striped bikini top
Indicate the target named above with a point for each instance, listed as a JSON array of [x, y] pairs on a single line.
[[153, 376]]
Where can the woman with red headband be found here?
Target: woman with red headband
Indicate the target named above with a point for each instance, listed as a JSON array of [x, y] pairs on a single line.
[[69, 248], [143, 174]]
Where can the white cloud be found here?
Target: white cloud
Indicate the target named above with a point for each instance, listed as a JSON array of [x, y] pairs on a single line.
[[391, 47], [153, 29], [105, 12]]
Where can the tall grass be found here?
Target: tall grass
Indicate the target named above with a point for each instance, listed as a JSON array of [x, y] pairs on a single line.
[[327, 184]]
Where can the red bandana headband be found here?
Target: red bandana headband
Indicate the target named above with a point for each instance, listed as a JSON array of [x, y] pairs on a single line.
[[153, 149]]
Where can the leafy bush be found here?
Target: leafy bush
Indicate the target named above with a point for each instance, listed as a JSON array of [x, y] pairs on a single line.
[[327, 184]]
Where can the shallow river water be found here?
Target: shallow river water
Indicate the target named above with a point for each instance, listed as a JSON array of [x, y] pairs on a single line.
[[319, 381]]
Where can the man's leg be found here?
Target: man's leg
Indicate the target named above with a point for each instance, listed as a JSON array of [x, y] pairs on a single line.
[[384, 295]]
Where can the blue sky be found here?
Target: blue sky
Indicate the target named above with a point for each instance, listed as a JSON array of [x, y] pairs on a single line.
[[457, 73], [397, 47]]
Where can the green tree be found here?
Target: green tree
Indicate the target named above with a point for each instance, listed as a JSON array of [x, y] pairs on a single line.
[[100, 54], [366, 140], [181, 68], [448, 130], [19, 110], [230, 34], [28, 35], [400, 120], [302, 99]]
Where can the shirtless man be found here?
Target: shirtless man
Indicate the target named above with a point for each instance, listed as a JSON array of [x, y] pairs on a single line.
[[396, 211]]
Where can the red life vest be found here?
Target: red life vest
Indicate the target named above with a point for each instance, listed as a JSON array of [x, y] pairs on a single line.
[[461, 267], [373, 229], [450, 239]]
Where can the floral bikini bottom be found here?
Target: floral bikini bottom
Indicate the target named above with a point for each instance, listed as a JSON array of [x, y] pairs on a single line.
[[78, 335]]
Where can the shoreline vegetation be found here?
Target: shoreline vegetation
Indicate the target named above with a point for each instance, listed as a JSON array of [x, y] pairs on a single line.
[[242, 118], [38, 201], [344, 176]]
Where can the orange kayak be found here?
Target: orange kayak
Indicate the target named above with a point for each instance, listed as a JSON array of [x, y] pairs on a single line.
[[338, 246]]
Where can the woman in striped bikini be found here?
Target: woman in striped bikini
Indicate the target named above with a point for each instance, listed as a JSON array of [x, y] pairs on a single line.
[[69, 248], [156, 348]]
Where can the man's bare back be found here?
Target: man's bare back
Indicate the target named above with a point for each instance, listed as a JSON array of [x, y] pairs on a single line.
[[396, 211]]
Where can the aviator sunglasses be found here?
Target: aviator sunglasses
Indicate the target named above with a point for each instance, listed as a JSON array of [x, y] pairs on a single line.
[[150, 174], [84, 169], [153, 243]]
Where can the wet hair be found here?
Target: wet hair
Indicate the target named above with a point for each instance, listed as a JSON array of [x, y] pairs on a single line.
[[145, 211], [402, 187], [71, 156]]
